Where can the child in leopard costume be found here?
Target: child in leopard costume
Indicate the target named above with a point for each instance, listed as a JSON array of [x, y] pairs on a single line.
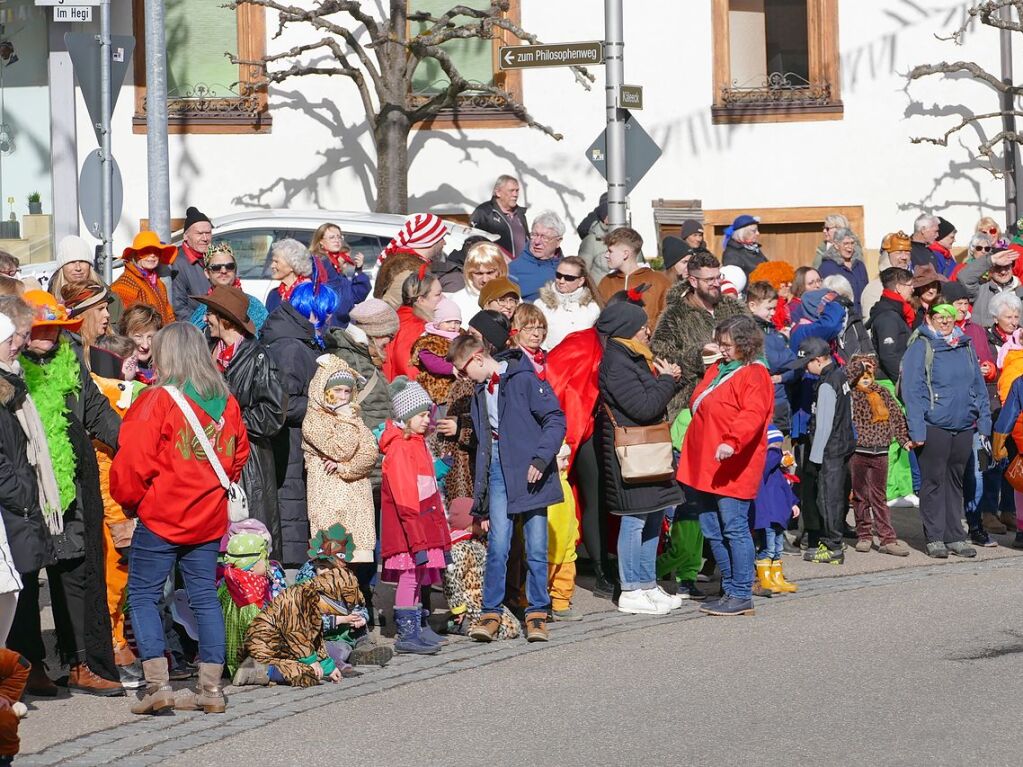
[[429, 352], [340, 452]]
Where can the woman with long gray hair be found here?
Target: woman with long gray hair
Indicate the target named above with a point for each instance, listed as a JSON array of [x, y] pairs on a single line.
[[163, 475]]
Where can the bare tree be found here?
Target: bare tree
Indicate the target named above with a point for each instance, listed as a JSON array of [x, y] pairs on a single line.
[[997, 15], [380, 57]]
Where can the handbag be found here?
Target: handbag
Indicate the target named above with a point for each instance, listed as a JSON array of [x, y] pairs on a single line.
[[644, 452], [1014, 473], [237, 501]]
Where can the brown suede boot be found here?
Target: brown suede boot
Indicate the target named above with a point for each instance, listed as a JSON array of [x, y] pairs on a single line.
[[209, 697], [84, 679], [159, 696], [536, 627]]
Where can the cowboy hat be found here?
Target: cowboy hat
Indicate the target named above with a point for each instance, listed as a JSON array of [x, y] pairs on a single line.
[[925, 274], [149, 242], [85, 299], [47, 312], [229, 302]]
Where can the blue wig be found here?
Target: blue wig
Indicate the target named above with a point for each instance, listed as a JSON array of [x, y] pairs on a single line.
[[316, 301]]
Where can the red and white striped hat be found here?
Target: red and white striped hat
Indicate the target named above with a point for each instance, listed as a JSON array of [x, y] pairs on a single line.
[[420, 231]]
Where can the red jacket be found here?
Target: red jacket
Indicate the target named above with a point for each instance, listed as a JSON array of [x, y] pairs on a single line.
[[158, 474], [399, 351], [572, 368], [412, 515], [736, 413]]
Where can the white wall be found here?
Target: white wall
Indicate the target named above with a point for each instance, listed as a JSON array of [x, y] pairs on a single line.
[[320, 154]]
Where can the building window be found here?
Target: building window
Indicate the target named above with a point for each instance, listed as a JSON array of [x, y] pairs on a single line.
[[206, 93], [477, 61], [775, 60]]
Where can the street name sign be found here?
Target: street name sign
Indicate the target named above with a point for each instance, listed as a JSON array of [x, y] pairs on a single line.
[[66, 3], [81, 13], [630, 97], [555, 55], [640, 153]]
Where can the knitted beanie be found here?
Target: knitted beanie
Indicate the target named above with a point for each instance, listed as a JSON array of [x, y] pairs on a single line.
[[622, 320], [446, 310], [73, 248], [193, 216], [343, 377], [409, 398], [375, 318]]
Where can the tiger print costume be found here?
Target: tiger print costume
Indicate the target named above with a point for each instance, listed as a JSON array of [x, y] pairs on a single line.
[[291, 626], [463, 585]]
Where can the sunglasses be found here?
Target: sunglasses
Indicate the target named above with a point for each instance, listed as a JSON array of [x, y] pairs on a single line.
[[230, 266], [566, 277], [983, 248], [993, 231]]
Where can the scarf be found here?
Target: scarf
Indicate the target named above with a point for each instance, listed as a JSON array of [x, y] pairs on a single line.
[[148, 276], [878, 410], [636, 347], [725, 372], [193, 256], [39, 456], [285, 291], [223, 354], [907, 311], [433, 330], [336, 260], [50, 384]]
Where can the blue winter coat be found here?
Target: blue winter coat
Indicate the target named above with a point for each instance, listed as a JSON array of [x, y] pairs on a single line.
[[827, 325], [956, 399], [350, 291], [531, 432], [857, 274], [778, 355], [775, 499], [531, 274]]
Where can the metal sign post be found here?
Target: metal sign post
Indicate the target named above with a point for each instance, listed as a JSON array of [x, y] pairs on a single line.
[[156, 121], [614, 76], [106, 180]]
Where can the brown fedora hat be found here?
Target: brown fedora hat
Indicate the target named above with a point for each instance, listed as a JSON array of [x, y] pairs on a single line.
[[229, 302], [925, 274]]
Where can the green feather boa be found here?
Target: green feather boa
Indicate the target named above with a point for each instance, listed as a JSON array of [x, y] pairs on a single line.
[[50, 384]]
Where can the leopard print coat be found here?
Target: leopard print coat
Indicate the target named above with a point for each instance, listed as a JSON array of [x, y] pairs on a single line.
[[346, 496], [437, 386], [459, 450], [463, 585], [291, 626]]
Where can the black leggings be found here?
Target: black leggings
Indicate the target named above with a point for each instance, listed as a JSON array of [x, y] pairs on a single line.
[[594, 523], [67, 597]]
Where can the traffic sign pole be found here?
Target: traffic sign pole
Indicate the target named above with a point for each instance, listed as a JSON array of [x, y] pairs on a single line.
[[614, 76], [106, 157], [156, 120]]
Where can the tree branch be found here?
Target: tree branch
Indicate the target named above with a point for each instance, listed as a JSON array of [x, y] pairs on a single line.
[[974, 70]]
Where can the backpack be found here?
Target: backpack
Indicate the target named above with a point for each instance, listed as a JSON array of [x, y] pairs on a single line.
[[928, 363]]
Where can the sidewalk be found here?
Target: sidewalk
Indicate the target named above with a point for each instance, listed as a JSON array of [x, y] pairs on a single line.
[[54, 727]]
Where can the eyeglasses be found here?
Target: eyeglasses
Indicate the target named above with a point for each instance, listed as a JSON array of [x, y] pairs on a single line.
[[230, 266], [709, 280], [545, 237], [533, 329], [507, 300], [566, 277], [464, 368]]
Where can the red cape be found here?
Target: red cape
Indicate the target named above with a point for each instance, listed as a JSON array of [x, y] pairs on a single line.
[[572, 368]]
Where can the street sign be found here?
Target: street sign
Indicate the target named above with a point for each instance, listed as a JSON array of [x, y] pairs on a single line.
[[80, 13], [84, 50], [630, 97], [640, 153], [556, 55], [67, 2], [90, 196]]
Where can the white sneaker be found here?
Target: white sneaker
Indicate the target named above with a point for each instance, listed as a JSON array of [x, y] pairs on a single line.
[[639, 602], [661, 597], [905, 502]]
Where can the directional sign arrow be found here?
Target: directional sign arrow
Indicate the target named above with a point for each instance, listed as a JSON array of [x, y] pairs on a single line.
[[556, 55]]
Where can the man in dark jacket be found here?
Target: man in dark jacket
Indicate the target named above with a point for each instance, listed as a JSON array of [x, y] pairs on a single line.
[[291, 340], [188, 275], [892, 320], [925, 231], [502, 215], [520, 428], [833, 442], [742, 247], [253, 379]]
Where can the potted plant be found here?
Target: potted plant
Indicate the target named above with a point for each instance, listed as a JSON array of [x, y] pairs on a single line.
[[35, 203]]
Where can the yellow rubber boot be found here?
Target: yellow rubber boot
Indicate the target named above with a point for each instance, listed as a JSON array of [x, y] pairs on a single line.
[[764, 576], [778, 582]]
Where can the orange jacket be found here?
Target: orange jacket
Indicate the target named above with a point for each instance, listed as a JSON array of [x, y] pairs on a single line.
[[132, 288]]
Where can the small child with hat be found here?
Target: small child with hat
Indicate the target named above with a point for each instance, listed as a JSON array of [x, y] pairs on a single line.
[[340, 453], [770, 513], [414, 537], [436, 374]]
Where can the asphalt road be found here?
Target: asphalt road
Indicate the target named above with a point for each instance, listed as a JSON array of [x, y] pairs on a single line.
[[915, 667]]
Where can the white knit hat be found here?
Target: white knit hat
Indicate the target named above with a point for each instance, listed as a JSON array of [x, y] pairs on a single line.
[[73, 248], [409, 398], [6, 328]]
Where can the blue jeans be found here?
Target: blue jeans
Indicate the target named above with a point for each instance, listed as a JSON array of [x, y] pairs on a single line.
[[637, 550], [151, 561], [725, 525], [534, 530], [773, 542]]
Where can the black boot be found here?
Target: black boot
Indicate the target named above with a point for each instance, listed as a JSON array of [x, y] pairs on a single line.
[[603, 586]]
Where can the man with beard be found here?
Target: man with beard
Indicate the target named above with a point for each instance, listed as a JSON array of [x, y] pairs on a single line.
[[692, 308]]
